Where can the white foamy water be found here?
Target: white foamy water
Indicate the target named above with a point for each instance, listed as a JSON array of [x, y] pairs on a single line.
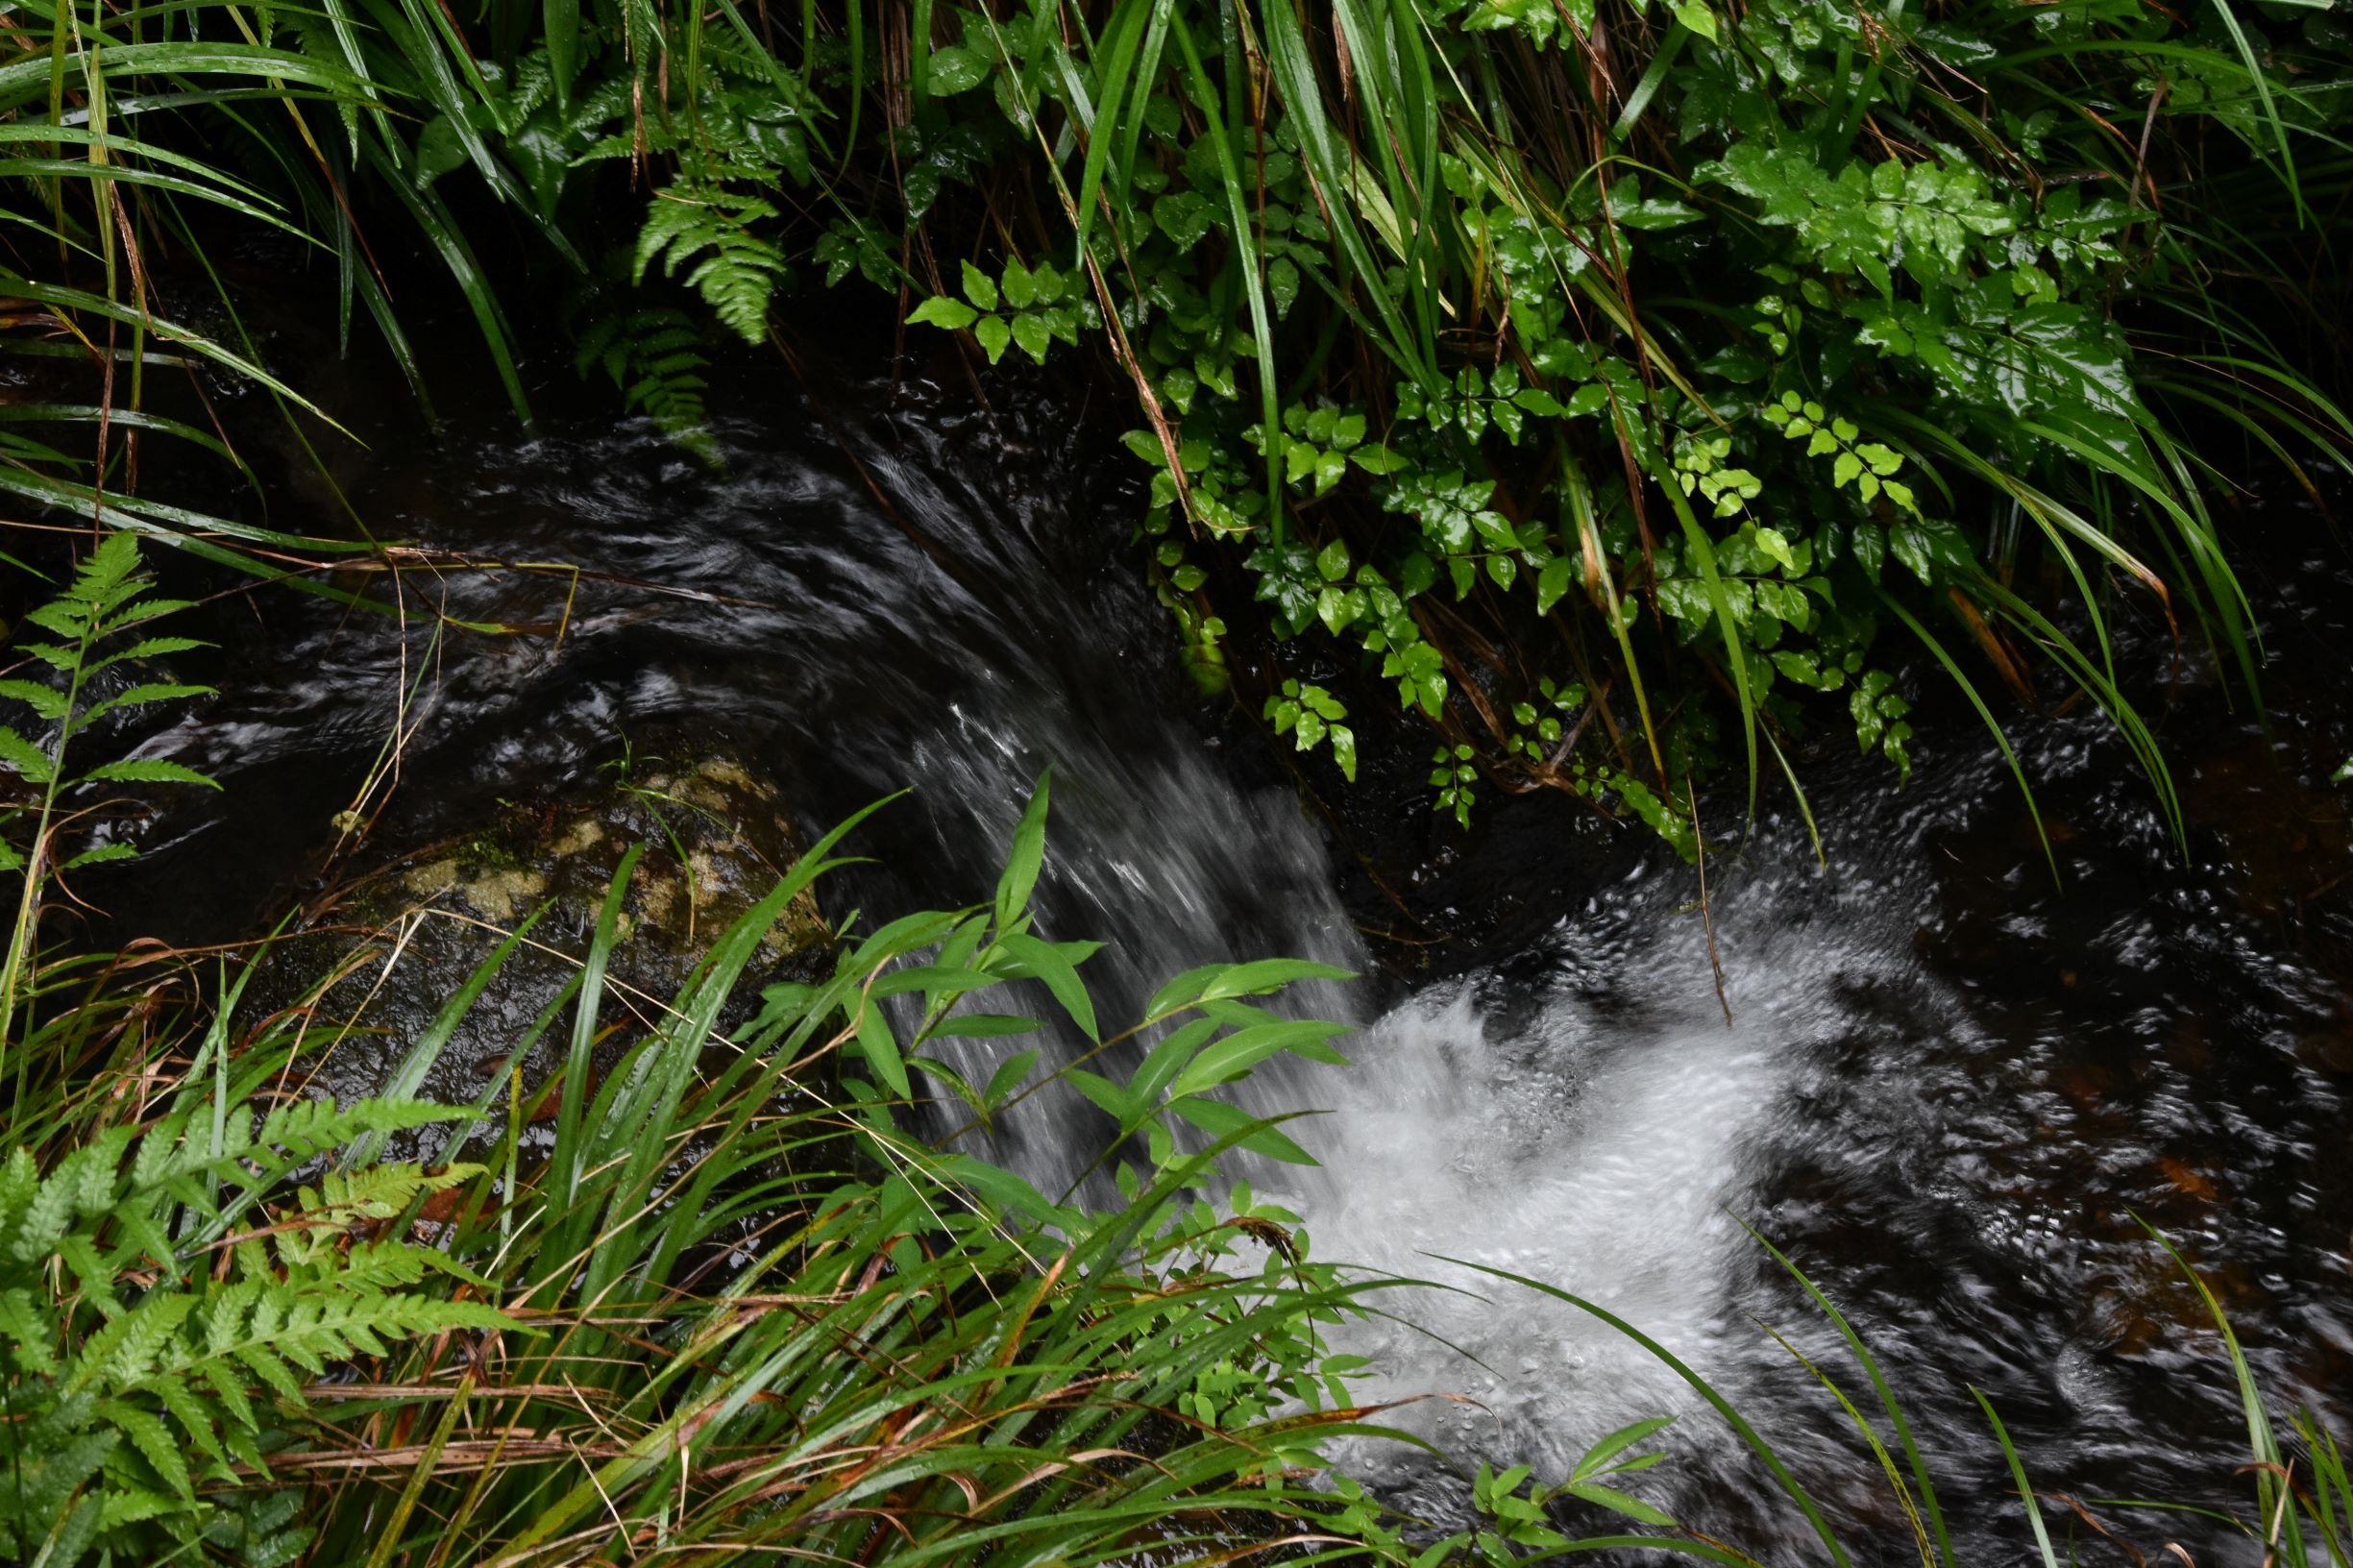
[[1570, 1150], [1590, 1121]]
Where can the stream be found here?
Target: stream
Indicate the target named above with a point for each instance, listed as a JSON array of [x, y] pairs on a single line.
[[1950, 1084]]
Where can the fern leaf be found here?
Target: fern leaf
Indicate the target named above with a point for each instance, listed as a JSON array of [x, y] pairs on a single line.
[[83, 1183], [92, 1272], [305, 1128], [130, 1348], [150, 648], [195, 1418], [44, 700], [738, 279], [19, 1181], [29, 761], [28, 1332], [73, 1535], [267, 1366], [152, 1440], [117, 1507], [230, 1389], [224, 1316]]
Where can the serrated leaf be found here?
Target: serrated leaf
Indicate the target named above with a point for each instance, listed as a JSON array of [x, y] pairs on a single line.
[[29, 761], [47, 701], [149, 770]]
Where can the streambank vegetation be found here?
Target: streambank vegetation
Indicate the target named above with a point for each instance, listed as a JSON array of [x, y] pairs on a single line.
[[1628, 391], [1623, 392]]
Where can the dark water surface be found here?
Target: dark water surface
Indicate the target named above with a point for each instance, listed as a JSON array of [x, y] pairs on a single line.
[[1949, 1086]]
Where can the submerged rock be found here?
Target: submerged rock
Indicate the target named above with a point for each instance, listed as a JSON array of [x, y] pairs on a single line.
[[404, 943]]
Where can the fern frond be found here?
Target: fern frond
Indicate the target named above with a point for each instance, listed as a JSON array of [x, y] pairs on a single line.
[[81, 1185], [324, 1216], [737, 272], [655, 357], [308, 1127]]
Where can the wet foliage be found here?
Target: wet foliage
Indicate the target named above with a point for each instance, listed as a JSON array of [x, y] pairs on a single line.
[[1722, 366]]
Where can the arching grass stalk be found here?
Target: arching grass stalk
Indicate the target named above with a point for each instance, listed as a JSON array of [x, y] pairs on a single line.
[[2303, 1514]]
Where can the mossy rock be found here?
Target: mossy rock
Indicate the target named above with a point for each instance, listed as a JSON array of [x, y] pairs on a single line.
[[406, 938]]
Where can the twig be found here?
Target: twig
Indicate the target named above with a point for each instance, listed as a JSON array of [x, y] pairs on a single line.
[[1707, 916]]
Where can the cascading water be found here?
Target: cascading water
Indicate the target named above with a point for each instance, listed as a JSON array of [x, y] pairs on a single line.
[[1947, 1085]]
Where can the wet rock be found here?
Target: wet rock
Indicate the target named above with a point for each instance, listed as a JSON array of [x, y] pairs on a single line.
[[404, 940]]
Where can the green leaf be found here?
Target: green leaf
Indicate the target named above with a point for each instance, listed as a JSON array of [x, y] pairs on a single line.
[[1042, 961], [880, 1048], [943, 310], [993, 335], [1610, 1498], [1282, 283], [29, 761], [978, 289], [1184, 216], [1552, 582], [1032, 334], [1256, 978], [1618, 1442], [984, 1025], [47, 701], [1222, 1121], [1697, 17], [1344, 750], [1008, 1076], [1236, 1054], [1025, 857], [1020, 285], [149, 770], [953, 70]]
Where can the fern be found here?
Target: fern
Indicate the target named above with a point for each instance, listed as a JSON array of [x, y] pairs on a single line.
[[159, 1370], [655, 357], [107, 599], [710, 226]]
